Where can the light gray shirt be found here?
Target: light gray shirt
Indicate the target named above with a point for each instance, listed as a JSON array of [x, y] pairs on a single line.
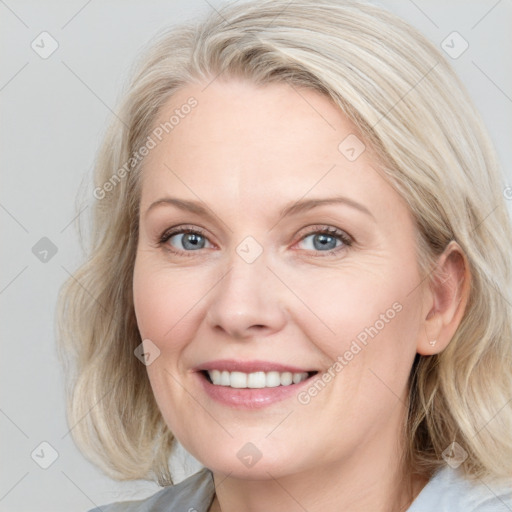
[[447, 491]]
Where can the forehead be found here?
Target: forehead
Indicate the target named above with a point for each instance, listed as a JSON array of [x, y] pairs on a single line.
[[243, 144]]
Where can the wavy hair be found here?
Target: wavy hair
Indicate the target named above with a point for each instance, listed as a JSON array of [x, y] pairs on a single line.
[[411, 109]]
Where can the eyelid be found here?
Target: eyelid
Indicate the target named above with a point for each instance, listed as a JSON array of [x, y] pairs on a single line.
[[324, 228], [346, 239], [179, 230]]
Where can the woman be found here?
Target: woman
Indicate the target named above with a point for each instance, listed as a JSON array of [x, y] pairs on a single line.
[[299, 271]]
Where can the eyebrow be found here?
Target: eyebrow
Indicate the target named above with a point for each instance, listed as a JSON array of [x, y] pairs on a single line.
[[291, 209], [308, 204]]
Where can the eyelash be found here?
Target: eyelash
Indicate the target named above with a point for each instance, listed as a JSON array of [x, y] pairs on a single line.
[[346, 239]]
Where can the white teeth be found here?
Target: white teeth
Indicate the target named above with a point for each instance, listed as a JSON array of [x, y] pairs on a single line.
[[297, 377], [286, 378], [238, 380], [255, 380], [224, 378], [272, 380]]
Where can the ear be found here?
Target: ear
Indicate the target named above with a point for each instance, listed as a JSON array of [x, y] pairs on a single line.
[[445, 300]]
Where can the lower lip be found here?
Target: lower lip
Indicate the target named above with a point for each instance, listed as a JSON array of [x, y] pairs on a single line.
[[250, 398]]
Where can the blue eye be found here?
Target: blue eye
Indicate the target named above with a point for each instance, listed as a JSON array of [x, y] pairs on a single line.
[[185, 239], [326, 239], [190, 241], [322, 242], [319, 239]]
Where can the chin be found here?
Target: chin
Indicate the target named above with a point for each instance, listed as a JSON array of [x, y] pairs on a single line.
[[250, 463]]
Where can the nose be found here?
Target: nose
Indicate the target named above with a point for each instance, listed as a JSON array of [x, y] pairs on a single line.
[[247, 301]]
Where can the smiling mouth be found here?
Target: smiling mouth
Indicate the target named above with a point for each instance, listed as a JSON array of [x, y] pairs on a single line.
[[255, 380]]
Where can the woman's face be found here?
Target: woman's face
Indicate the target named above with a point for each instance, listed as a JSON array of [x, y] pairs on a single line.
[[301, 259]]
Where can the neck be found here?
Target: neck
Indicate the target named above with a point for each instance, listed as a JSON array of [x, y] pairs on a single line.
[[372, 478], [325, 493]]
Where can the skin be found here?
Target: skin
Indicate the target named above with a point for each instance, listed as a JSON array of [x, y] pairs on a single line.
[[246, 152]]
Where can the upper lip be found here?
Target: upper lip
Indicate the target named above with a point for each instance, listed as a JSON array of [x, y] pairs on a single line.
[[233, 365]]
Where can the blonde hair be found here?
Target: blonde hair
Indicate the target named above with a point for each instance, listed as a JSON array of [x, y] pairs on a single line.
[[412, 110]]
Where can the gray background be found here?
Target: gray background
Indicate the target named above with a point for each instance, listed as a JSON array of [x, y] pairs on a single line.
[[54, 112]]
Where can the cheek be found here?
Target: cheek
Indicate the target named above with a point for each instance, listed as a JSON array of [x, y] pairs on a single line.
[[342, 306], [164, 301], [364, 320]]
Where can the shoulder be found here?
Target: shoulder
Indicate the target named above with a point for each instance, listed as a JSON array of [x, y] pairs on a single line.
[[193, 494], [450, 491]]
